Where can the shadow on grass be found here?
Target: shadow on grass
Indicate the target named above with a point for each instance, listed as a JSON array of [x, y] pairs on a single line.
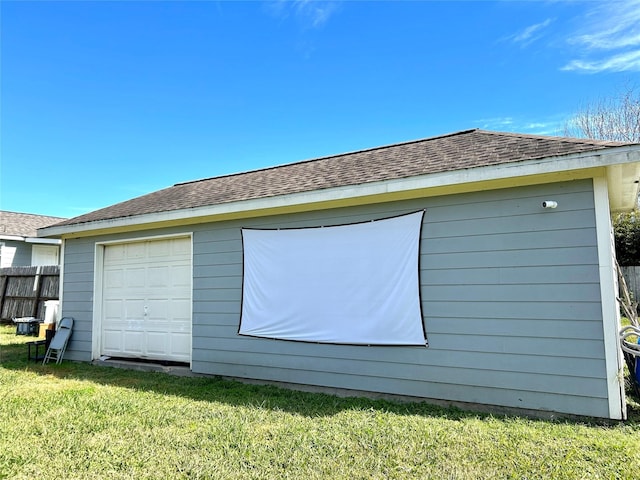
[[13, 356]]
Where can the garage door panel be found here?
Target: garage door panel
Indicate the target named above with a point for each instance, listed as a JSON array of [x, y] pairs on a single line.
[[180, 345], [147, 300], [135, 251], [111, 341], [134, 308], [113, 309], [114, 278], [180, 248], [158, 309], [181, 310], [180, 276], [115, 253], [157, 343], [135, 277], [159, 277], [159, 249], [133, 342]]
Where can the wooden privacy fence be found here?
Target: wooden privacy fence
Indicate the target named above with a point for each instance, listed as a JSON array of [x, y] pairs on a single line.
[[23, 290], [632, 277]]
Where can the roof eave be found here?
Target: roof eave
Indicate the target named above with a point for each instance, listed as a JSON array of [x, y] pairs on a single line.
[[621, 166], [15, 238], [43, 241], [624, 186]]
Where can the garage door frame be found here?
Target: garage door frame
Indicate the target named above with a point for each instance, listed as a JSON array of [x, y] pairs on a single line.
[[96, 337]]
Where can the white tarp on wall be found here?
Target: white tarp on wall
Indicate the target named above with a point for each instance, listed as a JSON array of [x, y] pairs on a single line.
[[348, 284]]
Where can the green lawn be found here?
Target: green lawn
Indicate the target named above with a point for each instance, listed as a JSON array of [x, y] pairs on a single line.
[[74, 421]]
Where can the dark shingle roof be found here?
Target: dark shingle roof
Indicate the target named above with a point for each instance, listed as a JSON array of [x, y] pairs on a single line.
[[24, 224], [458, 151]]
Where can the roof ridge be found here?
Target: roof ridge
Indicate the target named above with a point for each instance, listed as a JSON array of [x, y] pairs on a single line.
[[589, 141], [328, 157], [32, 214]]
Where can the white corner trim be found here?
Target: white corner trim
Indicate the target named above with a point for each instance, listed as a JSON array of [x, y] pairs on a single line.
[[610, 310], [61, 280], [96, 324]]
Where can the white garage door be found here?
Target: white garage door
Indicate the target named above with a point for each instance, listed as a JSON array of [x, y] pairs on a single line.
[[146, 300]]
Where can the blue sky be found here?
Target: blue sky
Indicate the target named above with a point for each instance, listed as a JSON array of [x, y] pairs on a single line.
[[105, 101]]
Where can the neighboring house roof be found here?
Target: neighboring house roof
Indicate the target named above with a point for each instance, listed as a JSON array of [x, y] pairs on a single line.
[[460, 151], [25, 225]]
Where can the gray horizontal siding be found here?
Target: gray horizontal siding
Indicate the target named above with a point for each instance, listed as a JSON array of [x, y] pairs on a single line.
[[530, 327], [552, 257], [580, 405], [510, 296], [77, 296], [21, 253], [378, 372], [489, 361], [512, 293], [561, 311], [527, 275]]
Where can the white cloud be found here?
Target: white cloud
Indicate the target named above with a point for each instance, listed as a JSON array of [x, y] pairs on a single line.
[[496, 123], [312, 13], [607, 42], [549, 126], [609, 39], [317, 13], [532, 32], [611, 25], [623, 62]]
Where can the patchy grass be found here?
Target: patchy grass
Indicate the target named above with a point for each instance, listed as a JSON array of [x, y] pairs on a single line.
[[78, 421]]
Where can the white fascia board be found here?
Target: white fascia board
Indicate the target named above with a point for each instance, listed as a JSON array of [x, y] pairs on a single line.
[[549, 165], [15, 238], [44, 241]]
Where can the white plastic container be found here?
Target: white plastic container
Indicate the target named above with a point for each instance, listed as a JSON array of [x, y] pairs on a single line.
[[51, 311]]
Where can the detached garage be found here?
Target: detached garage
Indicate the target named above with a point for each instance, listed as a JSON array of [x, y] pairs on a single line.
[[475, 268]]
